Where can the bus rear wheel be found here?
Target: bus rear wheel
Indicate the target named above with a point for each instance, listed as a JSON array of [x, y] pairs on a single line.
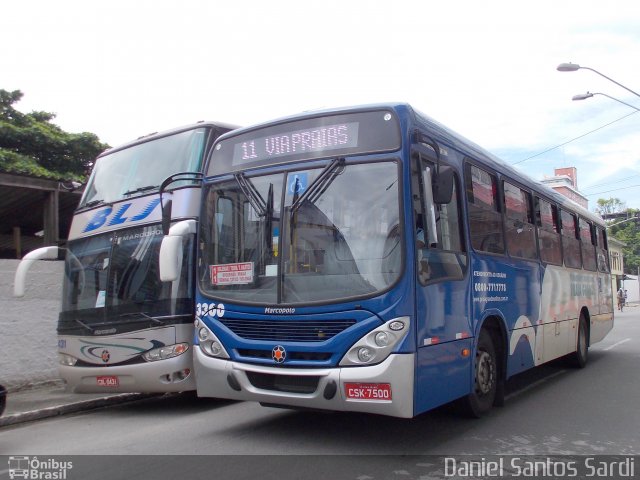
[[485, 384], [579, 358]]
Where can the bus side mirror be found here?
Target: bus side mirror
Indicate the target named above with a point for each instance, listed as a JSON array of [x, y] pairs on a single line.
[[443, 185], [44, 253], [171, 250], [166, 215]]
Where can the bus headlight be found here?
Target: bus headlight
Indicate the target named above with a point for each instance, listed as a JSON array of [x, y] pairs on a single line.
[[376, 345], [382, 339], [209, 343], [203, 334], [66, 360], [163, 353], [365, 354]]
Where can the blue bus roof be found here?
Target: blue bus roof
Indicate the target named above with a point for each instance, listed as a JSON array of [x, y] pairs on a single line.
[[446, 137]]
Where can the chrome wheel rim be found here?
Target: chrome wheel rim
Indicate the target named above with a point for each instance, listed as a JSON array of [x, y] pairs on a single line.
[[484, 373]]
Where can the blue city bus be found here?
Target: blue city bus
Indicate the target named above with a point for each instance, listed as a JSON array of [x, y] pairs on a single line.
[[121, 328], [370, 259]]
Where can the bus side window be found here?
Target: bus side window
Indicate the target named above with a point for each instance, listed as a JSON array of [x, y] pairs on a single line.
[[485, 219], [602, 251], [520, 234], [548, 232], [587, 244], [446, 259], [570, 242]]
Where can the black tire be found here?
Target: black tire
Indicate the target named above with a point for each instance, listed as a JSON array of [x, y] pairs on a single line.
[[579, 358], [485, 374], [3, 399]]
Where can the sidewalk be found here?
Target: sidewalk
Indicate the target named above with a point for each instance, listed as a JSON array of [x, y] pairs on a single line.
[[52, 399]]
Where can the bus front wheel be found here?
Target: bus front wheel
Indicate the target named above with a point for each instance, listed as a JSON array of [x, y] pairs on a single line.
[[485, 384]]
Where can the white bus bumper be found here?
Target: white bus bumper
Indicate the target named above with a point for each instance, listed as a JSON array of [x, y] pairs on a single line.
[[150, 377], [227, 379]]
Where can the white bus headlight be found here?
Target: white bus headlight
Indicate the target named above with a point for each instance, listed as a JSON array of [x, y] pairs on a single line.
[[163, 353], [382, 339], [66, 360], [203, 334], [365, 354], [209, 343], [376, 345]]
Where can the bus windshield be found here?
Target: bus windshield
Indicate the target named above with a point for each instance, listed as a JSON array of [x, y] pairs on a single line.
[[115, 274], [302, 236], [142, 167]]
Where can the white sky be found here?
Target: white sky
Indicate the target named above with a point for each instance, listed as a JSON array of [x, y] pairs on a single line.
[[125, 68]]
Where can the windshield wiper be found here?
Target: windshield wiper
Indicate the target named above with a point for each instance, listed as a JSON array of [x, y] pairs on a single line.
[[320, 184], [93, 203], [140, 189], [250, 191], [138, 314], [262, 208]]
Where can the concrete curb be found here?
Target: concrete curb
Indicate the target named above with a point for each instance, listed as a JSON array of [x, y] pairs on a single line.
[[73, 407]]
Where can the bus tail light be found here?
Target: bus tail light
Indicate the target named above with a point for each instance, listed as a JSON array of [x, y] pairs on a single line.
[[376, 345]]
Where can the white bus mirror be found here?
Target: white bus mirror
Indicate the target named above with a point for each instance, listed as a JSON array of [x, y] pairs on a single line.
[[44, 253], [171, 250]]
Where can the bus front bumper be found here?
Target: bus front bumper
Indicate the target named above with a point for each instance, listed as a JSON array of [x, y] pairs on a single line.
[[324, 389], [170, 375]]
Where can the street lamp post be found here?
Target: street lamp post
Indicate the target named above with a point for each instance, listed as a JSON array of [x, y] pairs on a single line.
[[623, 221], [584, 96], [572, 67]]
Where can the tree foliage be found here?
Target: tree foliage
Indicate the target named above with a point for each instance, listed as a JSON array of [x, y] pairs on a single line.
[[628, 231], [610, 205], [30, 144]]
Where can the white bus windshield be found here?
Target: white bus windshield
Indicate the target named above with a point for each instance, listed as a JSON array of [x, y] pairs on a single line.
[[111, 276], [141, 168]]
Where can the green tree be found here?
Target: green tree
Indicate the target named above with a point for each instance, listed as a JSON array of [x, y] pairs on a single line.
[[30, 144], [628, 231], [611, 205]]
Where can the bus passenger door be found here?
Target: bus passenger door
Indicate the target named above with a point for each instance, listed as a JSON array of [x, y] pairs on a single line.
[[442, 325]]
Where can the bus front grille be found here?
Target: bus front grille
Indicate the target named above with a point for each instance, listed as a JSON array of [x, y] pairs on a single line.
[[267, 355], [287, 330]]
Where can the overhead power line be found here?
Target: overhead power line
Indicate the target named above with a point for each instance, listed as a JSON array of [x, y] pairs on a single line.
[[610, 183], [574, 139], [614, 190]]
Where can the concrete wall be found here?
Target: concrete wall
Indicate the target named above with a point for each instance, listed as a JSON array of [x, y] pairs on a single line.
[[633, 289], [28, 339]]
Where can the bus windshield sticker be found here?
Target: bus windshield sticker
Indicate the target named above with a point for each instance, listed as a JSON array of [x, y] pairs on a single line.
[[232, 273], [100, 299], [297, 183], [271, 270]]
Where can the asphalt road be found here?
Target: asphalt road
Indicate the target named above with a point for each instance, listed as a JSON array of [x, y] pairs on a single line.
[[553, 410]]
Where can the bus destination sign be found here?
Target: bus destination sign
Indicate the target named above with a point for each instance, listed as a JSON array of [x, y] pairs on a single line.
[[325, 138], [341, 134]]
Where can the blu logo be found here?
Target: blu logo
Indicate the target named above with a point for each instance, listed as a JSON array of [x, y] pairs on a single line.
[[104, 217]]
